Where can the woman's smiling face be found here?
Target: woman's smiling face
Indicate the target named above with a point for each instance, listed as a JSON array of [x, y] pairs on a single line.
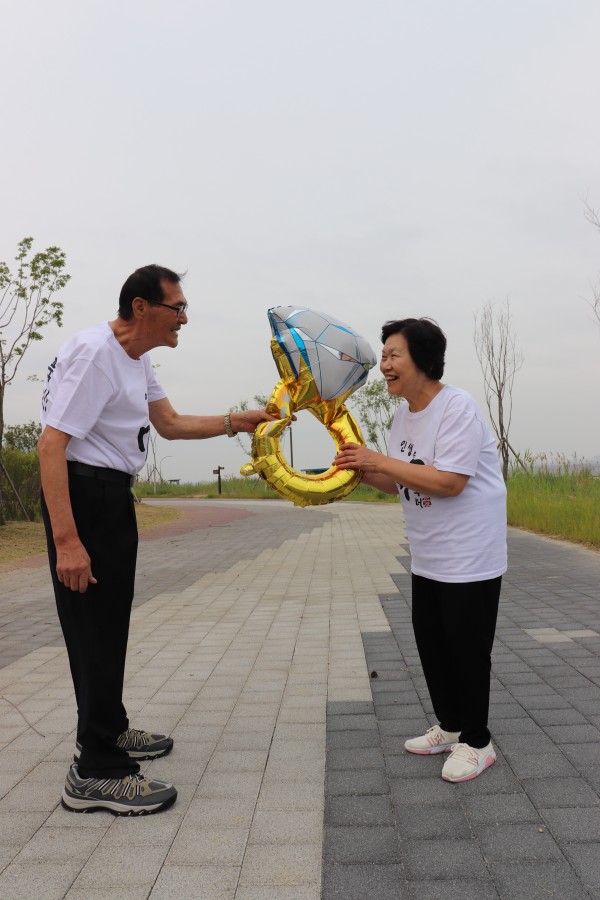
[[398, 368]]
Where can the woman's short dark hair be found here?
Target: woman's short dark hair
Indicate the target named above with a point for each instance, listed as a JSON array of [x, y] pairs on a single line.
[[145, 283], [426, 343]]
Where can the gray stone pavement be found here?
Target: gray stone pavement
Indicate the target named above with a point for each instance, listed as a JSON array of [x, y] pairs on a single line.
[[254, 643]]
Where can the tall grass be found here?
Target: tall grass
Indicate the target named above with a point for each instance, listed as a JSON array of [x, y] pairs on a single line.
[[556, 497]]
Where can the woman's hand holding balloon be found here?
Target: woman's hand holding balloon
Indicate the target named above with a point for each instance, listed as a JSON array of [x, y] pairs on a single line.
[[353, 456]]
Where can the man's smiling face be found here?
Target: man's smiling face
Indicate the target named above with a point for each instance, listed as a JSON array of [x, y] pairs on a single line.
[[164, 319]]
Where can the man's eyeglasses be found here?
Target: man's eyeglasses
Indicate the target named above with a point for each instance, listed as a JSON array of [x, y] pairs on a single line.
[[180, 309]]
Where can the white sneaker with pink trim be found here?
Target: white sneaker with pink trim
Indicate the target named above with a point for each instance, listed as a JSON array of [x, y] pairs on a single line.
[[467, 762], [435, 740]]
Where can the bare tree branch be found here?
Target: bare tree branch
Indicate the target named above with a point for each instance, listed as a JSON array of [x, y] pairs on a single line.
[[593, 218], [500, 360]]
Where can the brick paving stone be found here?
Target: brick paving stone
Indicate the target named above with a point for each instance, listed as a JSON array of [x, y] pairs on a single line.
[[199, 882], [455, 889], [432, 822], [501, 809], [282, 864], [525, 881], [431, 791], [546, 717], [361, 758], [359, 809], [360, 844], [567, 734], [548, 701], [349, 709], [519, 842], [358, 722], [517, 744], [279, 892], [443, 858], [400, 764], [348, 740], [520, 725], [559, 793], [356, 882], [404, 727], [573, 825], [541, 765], [585, 859], [507, 711], [352, 781], [584, 756]]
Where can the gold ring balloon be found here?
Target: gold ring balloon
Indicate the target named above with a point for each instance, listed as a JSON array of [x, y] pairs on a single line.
[[321, 362]]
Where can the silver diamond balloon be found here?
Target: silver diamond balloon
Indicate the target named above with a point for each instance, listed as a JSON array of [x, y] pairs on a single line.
[[339, 358]]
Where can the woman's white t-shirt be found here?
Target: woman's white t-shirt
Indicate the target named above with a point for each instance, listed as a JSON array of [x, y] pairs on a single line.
[[98, 394], [453, 539]]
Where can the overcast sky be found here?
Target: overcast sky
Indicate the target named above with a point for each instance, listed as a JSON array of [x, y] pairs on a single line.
[[372, 160]]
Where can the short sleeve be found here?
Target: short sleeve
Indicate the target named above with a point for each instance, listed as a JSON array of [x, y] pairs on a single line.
[[155, 389], [81, 395], [459, 439]]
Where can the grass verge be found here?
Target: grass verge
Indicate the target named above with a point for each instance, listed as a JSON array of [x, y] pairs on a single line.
[[232, 488], [563, 505], [20, 540]]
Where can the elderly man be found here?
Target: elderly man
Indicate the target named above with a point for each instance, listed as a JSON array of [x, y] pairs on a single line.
[[100, 398]]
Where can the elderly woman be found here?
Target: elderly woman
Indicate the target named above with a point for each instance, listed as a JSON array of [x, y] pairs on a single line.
[[444, 464]]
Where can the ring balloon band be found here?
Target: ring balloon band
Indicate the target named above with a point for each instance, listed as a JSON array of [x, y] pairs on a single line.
[[321, 362]]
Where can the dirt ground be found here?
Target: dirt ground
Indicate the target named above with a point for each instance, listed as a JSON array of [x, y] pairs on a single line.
[[19, 540]]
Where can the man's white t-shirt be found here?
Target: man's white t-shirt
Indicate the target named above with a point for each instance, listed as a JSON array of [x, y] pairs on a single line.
[[453, 539], [98, 394]]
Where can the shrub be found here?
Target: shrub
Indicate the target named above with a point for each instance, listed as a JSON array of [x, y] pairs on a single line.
[[24, 472]]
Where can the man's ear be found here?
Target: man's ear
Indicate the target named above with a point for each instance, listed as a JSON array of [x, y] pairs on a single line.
[[138, 306]]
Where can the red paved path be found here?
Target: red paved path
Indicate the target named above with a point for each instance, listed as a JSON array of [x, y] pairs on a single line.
[[190, 520]]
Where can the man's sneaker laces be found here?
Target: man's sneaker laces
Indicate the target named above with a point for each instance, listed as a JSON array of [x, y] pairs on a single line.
[[132, 795], [139, 744]]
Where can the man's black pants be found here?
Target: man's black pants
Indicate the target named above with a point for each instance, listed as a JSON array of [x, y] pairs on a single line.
[[454, 627], [95, 624]]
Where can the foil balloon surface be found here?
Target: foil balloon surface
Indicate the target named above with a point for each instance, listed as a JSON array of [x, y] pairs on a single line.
[[321, 362]]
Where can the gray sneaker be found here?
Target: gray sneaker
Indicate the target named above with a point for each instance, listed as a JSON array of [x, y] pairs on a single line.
[[139, 744], [133, 795]]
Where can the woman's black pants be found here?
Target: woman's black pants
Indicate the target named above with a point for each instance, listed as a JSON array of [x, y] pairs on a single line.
[[95, 624], [454, 627]]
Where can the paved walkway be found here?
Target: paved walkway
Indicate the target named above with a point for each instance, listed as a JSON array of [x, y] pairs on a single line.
[[255, 642]]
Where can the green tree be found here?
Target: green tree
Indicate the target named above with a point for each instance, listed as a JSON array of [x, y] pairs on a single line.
[[375, 409], [27, 306], [245, 441], [23, 437]]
